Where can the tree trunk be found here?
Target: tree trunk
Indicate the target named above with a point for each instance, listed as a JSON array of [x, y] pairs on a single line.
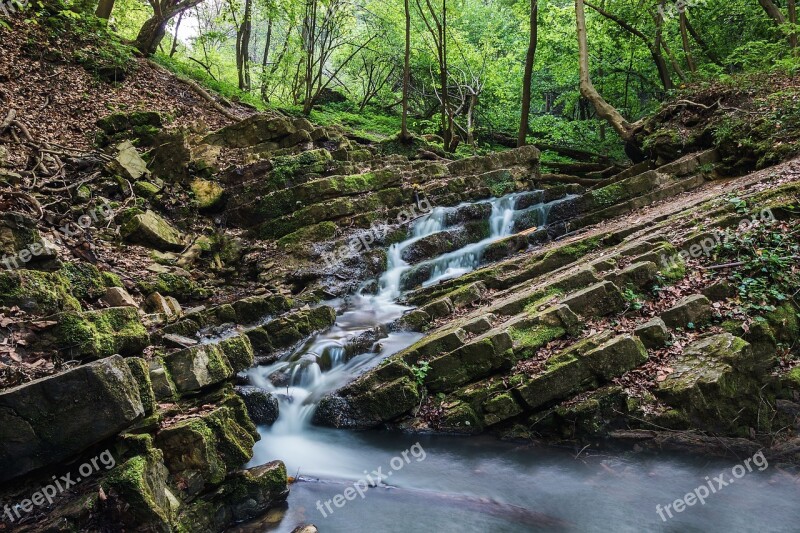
[[791, 6], [773, 11], [447, 119], [687, 51], [528, 76], [243, 47], [603, 108], [175, 37], [104, 9], [151, 34], [701, 42], [404, 135]]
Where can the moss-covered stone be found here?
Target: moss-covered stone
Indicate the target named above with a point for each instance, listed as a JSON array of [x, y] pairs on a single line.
[[50, 420], [150, 229], [141, 373], [238, 351], [173, 285], [198, 367], [98, 334], [139, 485], [85, 280], [36, 292], [207, 194], [255, 308]]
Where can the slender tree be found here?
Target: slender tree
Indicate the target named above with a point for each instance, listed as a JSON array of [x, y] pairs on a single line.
[[404, 134], [528, 75]]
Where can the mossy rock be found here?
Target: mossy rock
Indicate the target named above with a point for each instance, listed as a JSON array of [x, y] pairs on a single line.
[[37, 292], [98, 334], [238, 351], [140, 487], [174, 285], [209, 195], [85, 280]]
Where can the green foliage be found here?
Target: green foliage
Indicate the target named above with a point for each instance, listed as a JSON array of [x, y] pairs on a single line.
[[765, 255], [421, 372], [635, 301]]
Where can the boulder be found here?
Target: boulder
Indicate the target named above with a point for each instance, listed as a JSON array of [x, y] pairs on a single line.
[[598, 300], [691, 311], [128, 163], [52, 419], [195, 368], [207, 194], [254, 130], [653, 334], [262, 406], [149, 229], [119, 297], [97, 334]]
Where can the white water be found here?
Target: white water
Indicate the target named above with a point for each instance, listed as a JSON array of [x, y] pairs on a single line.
[[308, 382]]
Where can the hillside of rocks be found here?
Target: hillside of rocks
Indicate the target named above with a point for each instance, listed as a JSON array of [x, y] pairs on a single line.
[[168, 248]]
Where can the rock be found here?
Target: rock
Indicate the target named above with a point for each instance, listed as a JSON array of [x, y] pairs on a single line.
[[149, 229], [691, 311], [207, 194], [134, 122], [262, 406], [50, 420], [129, 163], [195, 368], [119, 297], [167, 306], [98, 334], [255, 308], [172, 340], [22, 243], [708, 385], [254, 130], [470, 362], [216, 443], [615, 357], [139, 496], [177, 158], [246, 494], [37, 292], [639, 275], [653, 334], [597, 300], [311, 528], [163, 387]]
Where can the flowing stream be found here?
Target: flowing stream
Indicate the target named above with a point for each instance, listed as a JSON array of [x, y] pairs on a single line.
[[476, 483]]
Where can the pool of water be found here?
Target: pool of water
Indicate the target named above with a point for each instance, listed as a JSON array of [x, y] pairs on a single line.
[[448, 483]]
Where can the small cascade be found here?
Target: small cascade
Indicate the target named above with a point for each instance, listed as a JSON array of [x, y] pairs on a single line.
[[321, 365]]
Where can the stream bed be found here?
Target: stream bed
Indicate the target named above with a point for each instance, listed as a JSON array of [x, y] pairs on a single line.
[[448, 483]]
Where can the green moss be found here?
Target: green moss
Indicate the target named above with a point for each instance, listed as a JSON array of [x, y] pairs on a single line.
[[140, 483], [535, 337], [309, 235], [794, 375], [85, 280], [168, 284], [37, 292], [239, 352], [207, 194], [111, 280], [102, 333], [608, 195], [676, 271], [146, 189]]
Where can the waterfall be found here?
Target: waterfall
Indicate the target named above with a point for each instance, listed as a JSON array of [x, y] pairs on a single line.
[[320, 366]]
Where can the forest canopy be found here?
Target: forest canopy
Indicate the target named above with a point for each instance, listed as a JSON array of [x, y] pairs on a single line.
[[344, 60]]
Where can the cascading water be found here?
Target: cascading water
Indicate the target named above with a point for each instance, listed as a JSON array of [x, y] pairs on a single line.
[[321, 365]]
